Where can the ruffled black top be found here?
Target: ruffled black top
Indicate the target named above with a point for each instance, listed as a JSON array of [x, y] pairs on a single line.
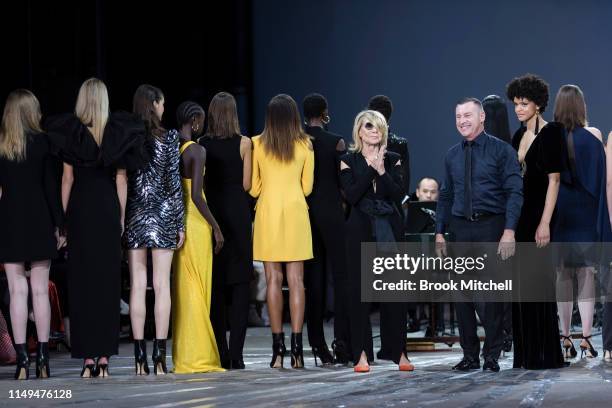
[[123, 145]]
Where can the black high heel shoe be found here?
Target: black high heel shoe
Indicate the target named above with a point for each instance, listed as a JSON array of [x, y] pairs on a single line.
[[88, 371], [340, 350], [101, 370], [140, 357], [588, 350], [322, 352], [237, 364], [278, 350], [23, 362], [297, 352], [569, 351], [159, 357], [42, 361]]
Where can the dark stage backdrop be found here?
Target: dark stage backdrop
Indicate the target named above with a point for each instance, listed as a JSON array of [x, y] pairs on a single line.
[[191, 50], [427, 54]]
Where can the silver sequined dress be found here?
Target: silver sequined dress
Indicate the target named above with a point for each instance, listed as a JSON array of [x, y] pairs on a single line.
[[155, 210]]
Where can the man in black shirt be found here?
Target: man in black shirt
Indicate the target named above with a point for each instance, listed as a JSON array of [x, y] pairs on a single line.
[[327, 224], [480, 201]]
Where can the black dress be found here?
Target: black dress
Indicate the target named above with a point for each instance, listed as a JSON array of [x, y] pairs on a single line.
[[327, 225], [357, 184], [94, 228], [233, 266], [30, 206], [535, 327]]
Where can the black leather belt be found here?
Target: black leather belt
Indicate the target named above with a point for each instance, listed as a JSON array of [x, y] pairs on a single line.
[[480, 215]]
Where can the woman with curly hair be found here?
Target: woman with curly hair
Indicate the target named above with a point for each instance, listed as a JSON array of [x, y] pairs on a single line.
[[538, 143]]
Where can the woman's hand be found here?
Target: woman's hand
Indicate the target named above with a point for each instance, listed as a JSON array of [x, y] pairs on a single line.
[[60, 239], [181, 239], [542, 235], [219, 239], [379, 160]]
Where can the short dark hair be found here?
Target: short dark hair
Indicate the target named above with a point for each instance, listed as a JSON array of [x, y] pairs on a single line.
[[530, 87], [382, 104], [314, 105], [469, 99], [427, 178]]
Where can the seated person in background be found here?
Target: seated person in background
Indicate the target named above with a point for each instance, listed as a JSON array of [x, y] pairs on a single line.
[[421, 207], [427, 189]]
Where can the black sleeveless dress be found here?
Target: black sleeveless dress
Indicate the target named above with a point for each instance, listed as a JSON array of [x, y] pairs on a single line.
[[229, 204], [535, 328]]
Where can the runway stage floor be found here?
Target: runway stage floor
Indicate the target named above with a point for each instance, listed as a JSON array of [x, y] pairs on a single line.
[[587, 383]]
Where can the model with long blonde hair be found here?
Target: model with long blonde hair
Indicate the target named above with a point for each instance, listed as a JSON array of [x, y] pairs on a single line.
[[27, 189], [96, 148]]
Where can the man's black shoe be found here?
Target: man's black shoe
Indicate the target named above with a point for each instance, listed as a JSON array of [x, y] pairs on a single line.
[[467, 364], [490, 364]]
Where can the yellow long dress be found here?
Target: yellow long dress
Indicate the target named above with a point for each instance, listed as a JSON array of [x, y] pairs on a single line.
[[281, 231], [194, 349]]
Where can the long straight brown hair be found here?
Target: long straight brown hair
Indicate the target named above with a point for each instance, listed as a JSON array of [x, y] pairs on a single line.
[[283, 128], [222, 117], [142, 106], [21, 116], [570, 107]]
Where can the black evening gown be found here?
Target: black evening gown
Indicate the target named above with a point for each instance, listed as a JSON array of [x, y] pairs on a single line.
[[94, 227], [233, 265], [535, 325], [357, 184], [30, 206]]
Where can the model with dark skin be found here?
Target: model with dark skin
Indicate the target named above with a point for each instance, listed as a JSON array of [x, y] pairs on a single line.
[[192, 165]]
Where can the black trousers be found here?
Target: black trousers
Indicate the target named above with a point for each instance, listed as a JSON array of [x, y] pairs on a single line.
[[485, 229], [229, 301], [328, 250]]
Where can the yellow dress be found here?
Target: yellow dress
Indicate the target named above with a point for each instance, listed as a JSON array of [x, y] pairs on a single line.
[[194, 349], [282, 227]]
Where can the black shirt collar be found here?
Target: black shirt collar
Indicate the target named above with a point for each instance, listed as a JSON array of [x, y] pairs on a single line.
[[478, 141]]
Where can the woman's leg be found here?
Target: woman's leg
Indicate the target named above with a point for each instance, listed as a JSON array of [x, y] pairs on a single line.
[[565, 296], [39, 281], [137, 259], [18, 288], [586, 298], [274, 295], [162, 262], [295, 279]]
